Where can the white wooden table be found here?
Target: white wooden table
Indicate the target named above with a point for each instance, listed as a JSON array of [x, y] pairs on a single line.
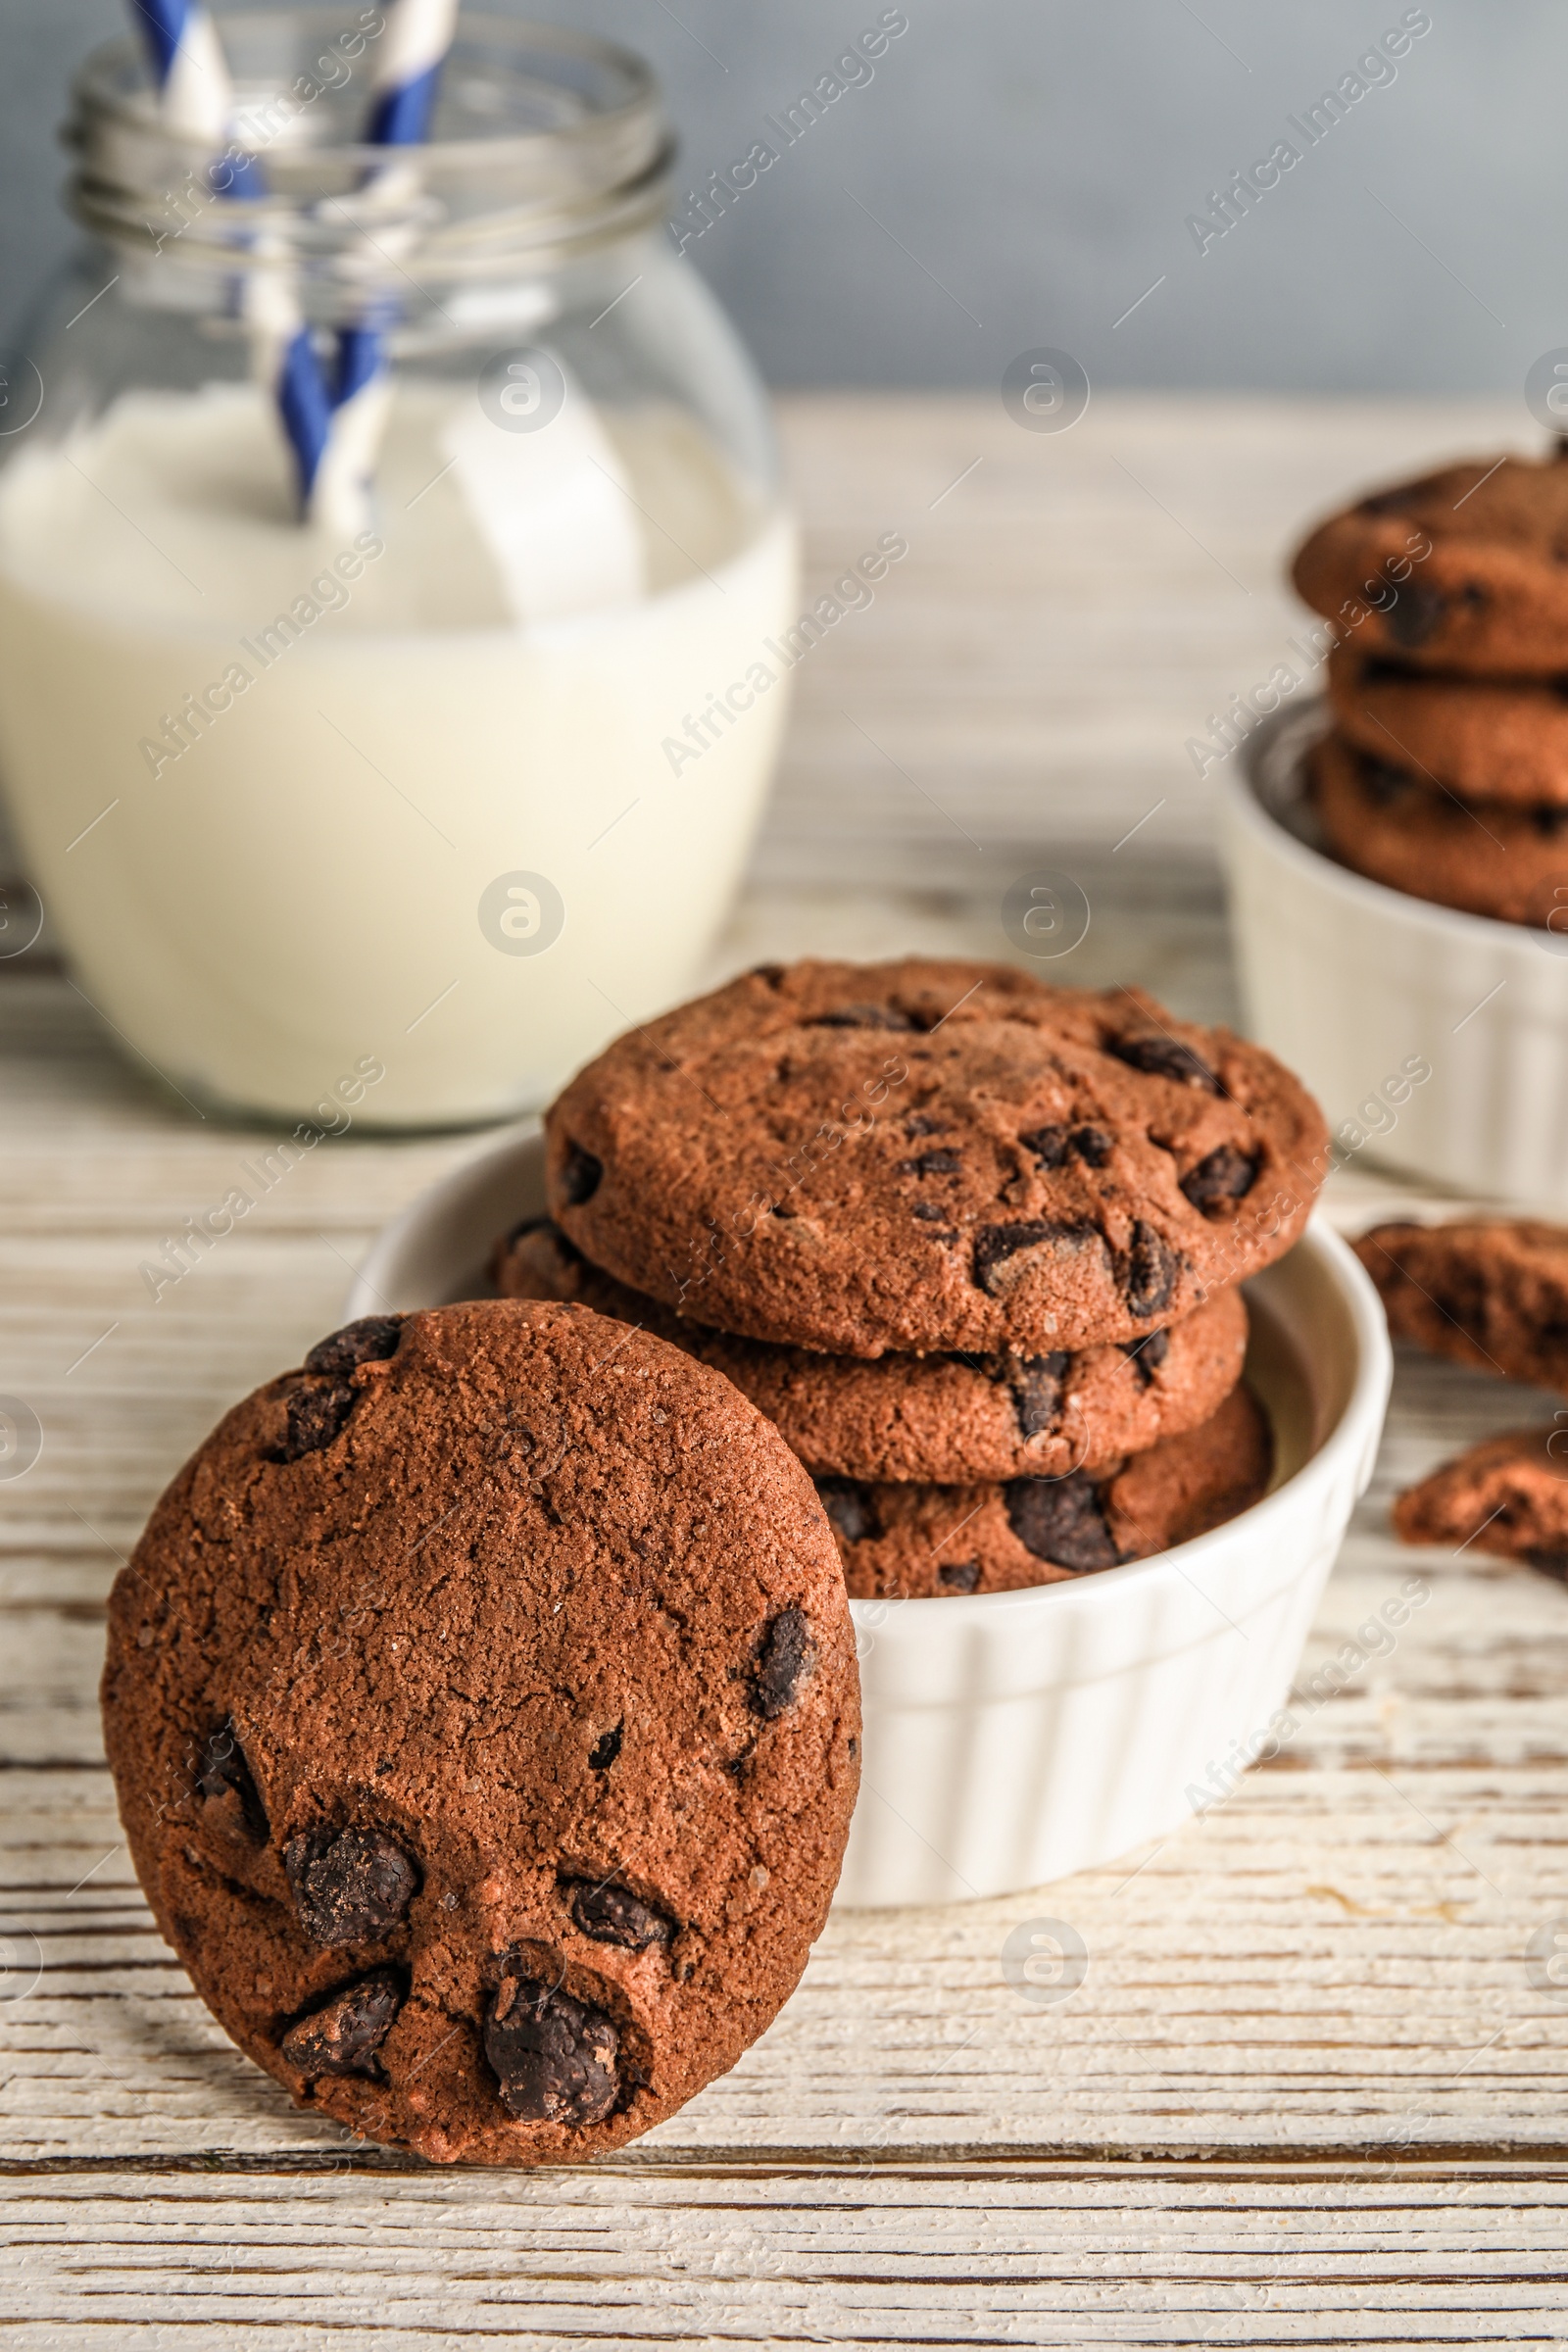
[[1311, 2090]]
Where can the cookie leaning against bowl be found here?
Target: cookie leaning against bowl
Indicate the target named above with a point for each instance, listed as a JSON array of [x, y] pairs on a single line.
[[1464, 570], [483, 1710], [1491, 1292], [1510, 865], [1487, 739], [943, 1418], [931, 1157], [911, 1542]]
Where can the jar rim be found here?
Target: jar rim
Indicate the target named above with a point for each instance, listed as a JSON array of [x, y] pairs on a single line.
[[584, 159]]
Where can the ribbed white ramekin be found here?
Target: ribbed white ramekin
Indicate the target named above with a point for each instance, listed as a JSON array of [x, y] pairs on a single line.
[[1011, 1738], [1349, 982]]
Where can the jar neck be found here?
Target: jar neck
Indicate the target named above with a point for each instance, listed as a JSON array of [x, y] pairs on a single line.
[[550, 147]]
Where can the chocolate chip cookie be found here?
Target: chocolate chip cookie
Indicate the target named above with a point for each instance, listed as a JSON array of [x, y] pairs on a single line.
[[931, 1157], [1491, 1292], [1509, 1496], [1509, 863], [482, 1706], [1487, 739], [1465, 569], [934, 1417], [913, 1543]]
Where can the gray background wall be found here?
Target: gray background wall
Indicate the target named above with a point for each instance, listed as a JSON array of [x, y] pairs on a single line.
[[1019, 170]]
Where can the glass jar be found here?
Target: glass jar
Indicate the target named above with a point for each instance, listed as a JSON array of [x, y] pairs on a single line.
[[455, 779]]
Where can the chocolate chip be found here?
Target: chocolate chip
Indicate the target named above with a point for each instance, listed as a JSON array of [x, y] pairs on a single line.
[[579, 1175], [1225, 1175], [1382, 783], [554, 2058], [1052, 1146], [994, 1243], [1549, 820], [223, 1772], [851, 1511], [961, 1576], [1153, 1268], [526, 1225], [370, 1341], [932, 1163], [343, 2035], [920, 1125], [1165, 1057], [349, 1886], [1415, 613], [1048, 1144], [605, 1749], [1145, 1355], [1036, 1382], [315, 1416], [867, 1016], [1059, 1519], [931, 1211], [772, 973], [1551, 1563], [610, 1915], [785, 1658]]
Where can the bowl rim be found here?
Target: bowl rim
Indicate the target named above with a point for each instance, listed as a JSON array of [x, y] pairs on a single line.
[[1357, 1422], [1241, 785]]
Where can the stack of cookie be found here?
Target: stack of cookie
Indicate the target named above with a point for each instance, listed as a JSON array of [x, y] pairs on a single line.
[[1491, 1292], [971, 1242], [1446, 775]]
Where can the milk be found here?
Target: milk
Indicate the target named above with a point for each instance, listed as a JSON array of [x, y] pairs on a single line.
[[460, 796]]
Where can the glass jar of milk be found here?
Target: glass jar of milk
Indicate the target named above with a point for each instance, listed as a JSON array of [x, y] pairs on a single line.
[[455, 779]]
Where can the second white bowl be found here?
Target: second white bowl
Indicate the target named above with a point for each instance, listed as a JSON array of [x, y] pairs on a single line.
[[1354, 985]]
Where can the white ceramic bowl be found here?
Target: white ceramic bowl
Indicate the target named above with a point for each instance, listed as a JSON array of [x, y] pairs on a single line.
[[1349, 982], [1011, 1738]]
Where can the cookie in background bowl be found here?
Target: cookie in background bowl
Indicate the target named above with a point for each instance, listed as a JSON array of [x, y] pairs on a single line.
[[931, 1156], [1493, 859], [1461, 569], [1483, 739], [482, 1706], [942, 1418]]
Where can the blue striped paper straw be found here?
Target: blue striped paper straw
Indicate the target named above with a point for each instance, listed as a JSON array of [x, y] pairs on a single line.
[[194, 96], [411, 52], [196, 102]]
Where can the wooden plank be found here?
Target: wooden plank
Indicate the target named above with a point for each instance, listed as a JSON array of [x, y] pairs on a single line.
[[1004, 2254]]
